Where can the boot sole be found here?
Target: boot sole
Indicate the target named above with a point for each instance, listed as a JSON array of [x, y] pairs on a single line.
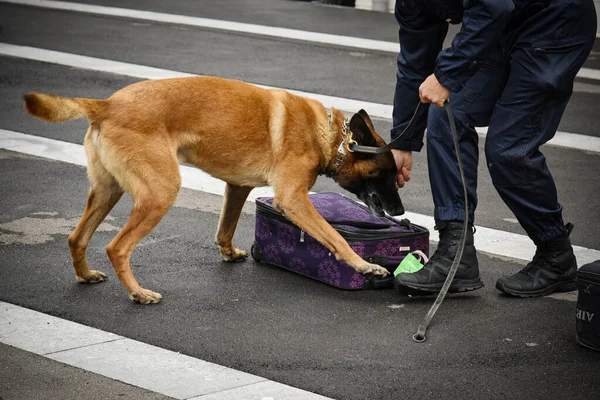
[[558, 287], [457, 286]]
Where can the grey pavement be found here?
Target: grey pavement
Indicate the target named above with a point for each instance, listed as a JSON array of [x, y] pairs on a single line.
[[254, 318]]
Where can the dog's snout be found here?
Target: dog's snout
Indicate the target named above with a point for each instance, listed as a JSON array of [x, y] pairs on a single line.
[[396, 210]]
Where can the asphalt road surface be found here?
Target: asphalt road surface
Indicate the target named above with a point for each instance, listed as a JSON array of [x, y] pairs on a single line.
[[251, 317]]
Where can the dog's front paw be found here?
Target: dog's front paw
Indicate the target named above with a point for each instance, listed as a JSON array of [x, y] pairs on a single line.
[[236, 255], [92, 277], [373, 269], [145, 296]]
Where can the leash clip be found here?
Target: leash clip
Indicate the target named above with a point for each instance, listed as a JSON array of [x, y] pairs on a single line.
[[351, 144]]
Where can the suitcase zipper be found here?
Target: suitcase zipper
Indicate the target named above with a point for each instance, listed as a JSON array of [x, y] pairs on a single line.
[[358, 235], [363, 235], [268, 210]]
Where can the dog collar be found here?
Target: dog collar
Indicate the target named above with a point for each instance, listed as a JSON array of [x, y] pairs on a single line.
[[342, 148]]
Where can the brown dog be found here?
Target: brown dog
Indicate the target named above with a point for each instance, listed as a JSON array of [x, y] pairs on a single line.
[[245, 135]]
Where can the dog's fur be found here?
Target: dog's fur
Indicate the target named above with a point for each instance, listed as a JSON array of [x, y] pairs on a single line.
[[240, 133]]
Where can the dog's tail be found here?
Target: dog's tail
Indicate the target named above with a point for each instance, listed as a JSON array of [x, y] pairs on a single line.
[[51, 108]]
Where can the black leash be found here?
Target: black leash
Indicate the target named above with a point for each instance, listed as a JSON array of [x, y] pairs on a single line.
[[420, 335], [422, 330]]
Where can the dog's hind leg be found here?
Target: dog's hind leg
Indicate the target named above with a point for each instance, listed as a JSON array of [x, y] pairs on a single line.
[[153, 195], [103, 194], [233, 202], [101, 199]]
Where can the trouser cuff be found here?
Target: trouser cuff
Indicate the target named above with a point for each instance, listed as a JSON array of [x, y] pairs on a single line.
[[452, 214]]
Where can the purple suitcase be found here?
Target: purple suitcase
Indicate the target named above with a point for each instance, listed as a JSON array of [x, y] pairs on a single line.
[[381, 240]]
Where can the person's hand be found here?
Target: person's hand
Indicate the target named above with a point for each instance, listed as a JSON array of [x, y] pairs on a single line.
[[404, 163], [431, 91]]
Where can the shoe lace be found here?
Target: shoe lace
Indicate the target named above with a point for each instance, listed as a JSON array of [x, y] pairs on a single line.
[[538, 262], [448, 239], [442, 251]]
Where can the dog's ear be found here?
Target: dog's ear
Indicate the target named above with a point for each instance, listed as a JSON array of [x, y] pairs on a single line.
[[362, 127], [366, 117]]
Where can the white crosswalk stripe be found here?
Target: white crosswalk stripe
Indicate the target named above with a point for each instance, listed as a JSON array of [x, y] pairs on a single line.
[[136, 363], [489, 240]]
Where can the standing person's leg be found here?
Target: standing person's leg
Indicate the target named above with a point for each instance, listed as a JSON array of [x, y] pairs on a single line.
[[472, 106], [525, 117]]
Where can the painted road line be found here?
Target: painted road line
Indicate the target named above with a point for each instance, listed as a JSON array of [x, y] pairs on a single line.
[[500, 243], [72, 153], [130, 361], [295, 34], [588, 73], [567, 140], [562, 139]]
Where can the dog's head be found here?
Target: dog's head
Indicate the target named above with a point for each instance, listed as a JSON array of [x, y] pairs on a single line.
[[371, 177]]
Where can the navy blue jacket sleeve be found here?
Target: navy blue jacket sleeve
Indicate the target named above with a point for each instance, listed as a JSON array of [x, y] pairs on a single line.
[[483, 23], [421, 38]]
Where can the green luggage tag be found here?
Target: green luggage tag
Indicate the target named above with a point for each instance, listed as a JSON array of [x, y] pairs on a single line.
[[409, 265]]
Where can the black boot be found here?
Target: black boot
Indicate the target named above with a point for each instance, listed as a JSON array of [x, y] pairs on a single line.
[[553, 269], [431, 277]]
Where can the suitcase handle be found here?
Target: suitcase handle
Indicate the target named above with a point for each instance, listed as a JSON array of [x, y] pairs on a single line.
[[393, 261], [361, 224], [375, 282], [384, 261]]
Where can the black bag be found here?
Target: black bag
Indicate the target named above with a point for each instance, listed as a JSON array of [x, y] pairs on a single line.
[[588, 306]]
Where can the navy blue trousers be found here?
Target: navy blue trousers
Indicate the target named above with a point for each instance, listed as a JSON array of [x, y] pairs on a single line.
[[520, 93]]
